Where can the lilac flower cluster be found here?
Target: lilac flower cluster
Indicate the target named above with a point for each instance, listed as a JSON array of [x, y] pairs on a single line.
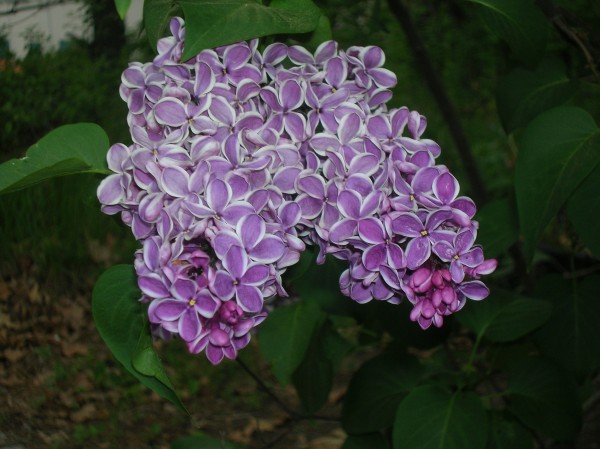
[[241, 158]]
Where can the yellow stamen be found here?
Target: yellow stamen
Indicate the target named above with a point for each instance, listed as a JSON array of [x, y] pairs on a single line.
[[424, 233], [456, 257], [192, 302]]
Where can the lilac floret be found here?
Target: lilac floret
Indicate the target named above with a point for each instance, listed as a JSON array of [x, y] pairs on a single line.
[[244, 156]]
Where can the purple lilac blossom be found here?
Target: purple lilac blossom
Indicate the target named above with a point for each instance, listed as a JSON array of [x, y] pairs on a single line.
[[242, 158]]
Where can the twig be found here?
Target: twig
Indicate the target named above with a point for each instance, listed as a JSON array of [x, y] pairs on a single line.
[[554, 13], [267, 390], [423, 62]]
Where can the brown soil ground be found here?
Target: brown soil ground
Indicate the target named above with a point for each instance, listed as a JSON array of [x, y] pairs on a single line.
[[60, 387]]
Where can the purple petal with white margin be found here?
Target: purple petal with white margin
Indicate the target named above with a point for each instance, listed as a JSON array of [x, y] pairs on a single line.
[[383, 77], [310, 207], [312, 185], [371, 203], [269, 250], [349, 128], [189, 324], [444, 250], [418, 251], [236, 55], [236, 261], [214, 354], [395, 257], [251, 229], [390, 276], [170, 112], [110, 190], [249, 298], [446, 187], [472, 258], [349, 203], [457, 272], [175, 181], [236, 211], [374, 256], [372, 57], [295, 125], [153, 286], [184, 289], [269, 95], [475, 290], [206, 305], [371, 230], [151, 206], [255, 275], [169, 309], [218, 195], [223, 285], [223, 241], [221, 111], [379, 126], [291, 95], [343, 230], [464, 240]]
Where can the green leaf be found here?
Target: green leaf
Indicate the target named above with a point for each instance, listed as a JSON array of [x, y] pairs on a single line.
[[320, 34], [582, 206], [507, 434], [313, 378], [432, 418], [211, 23], [376, 390], [557, 151], [518, 22], [504, 316], [201, 441], [157, 15], [284, 338], [122, 324], [67, 150], [369, 441], [498, 226], [523, 94], [544, 398], [122, 7], [572, 336]]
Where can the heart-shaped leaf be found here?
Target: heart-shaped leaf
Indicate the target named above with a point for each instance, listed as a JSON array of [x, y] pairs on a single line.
[[520, 24], [67, 150], [123, 325], [585, 203], [544, 398], [376, 390], [523, 94], [505, 316], [432, 418], [557, 151], [212, 23], [285, 337], [571, 336], [157, 14]]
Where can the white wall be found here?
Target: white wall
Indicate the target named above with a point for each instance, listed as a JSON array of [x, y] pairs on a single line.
[[56, 23]]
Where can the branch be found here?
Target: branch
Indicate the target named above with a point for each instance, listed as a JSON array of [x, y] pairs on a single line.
[[433, 81], [556, 16]]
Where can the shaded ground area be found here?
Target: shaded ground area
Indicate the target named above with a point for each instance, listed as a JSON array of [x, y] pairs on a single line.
[[61, 388]]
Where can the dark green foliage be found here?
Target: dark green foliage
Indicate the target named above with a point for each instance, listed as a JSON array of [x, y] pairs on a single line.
[[121, 321], [510, 369]]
